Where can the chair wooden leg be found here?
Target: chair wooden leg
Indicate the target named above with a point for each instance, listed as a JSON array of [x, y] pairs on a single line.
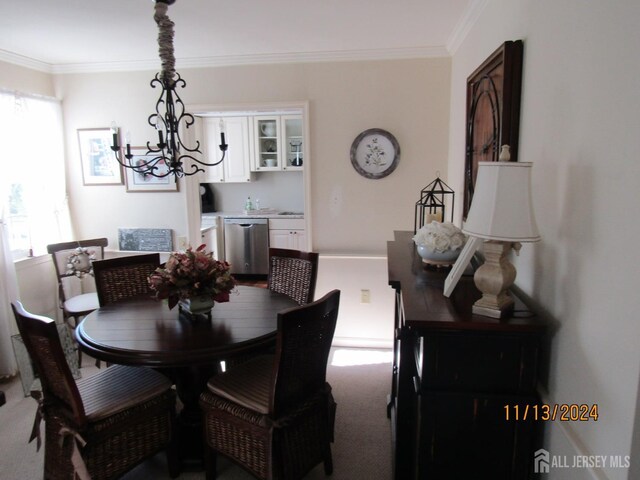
[[173, 460], [328, 460], [210, 462]]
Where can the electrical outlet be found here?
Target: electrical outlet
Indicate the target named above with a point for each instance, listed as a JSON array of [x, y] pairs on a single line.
[[182, 243], [365, 296]]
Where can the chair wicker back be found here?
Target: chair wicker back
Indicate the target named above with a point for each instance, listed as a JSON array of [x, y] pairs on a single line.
[[101, 426], [124, 277], [274, 414], [293, 273], [40, 337], [302, 351]]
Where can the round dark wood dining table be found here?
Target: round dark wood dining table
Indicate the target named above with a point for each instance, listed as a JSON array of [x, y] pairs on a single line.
[[144, 332]]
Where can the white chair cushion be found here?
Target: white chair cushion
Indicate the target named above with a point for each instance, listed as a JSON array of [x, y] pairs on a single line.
[[87, 302]]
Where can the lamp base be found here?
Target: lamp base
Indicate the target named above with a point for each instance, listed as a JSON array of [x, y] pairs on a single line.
[[493, 279], [491, 311]]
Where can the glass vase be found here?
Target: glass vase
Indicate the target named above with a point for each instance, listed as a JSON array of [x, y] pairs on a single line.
[[200, 305]]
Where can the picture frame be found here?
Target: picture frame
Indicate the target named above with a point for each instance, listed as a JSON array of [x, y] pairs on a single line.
[[375, 153], [99, 165], [493, 112], [469, 249], [140, 182]]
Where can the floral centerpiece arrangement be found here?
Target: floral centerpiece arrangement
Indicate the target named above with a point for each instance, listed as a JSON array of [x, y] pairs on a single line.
[[439, 243], [192, 274]]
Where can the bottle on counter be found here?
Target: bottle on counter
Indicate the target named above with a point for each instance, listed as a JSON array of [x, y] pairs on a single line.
[[248, 206]]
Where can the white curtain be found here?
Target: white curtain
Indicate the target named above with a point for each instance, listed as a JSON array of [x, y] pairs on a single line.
[[33, 157], [8, 294], [33, 176]]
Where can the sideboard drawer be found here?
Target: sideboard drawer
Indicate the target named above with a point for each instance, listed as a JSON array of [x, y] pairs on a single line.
[[491, 362]]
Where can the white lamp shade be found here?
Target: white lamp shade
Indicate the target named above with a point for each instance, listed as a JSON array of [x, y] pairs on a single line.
[[501, 208]]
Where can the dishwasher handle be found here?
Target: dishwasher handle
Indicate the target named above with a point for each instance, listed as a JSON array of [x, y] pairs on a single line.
[[245, 222]]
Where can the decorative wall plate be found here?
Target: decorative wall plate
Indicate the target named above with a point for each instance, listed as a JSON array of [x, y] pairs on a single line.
[[375, 153]]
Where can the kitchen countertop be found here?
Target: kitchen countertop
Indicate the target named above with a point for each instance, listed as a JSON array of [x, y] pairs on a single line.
[[209, 220], [255, 214]]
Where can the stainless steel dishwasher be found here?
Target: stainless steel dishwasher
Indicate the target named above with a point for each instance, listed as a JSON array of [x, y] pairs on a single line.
[[246, 245]]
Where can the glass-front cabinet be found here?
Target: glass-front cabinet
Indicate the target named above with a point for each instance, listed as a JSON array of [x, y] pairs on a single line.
[[278, 142], [292, 142], [266, 131]]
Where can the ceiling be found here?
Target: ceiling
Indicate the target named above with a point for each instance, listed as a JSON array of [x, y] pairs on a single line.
[[94, 35]]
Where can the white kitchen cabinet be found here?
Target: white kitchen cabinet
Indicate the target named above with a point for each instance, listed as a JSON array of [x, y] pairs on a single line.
[[277, 143], [209, 236], [292, 143], [287, 233], [236, 167], [267, 143]]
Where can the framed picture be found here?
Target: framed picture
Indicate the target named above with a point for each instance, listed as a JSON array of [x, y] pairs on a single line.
[[375, 153], [493, 112], [469, 249], [99, 165], [143, 182]]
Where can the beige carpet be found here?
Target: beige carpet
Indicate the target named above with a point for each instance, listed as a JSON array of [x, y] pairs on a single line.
[[362, 448]]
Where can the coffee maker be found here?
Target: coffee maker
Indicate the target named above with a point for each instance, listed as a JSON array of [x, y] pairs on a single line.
[[207, 201]]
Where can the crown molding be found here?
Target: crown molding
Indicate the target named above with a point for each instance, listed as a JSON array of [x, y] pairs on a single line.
[[232, 60], [463, 27], [27, 62]]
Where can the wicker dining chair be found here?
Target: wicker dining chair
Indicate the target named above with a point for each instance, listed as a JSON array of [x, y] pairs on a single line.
[[274, 414], [74, 307], [293, 273], [124, 277], [98, 427]]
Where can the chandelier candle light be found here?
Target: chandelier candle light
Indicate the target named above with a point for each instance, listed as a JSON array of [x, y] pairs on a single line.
[[165, 158]]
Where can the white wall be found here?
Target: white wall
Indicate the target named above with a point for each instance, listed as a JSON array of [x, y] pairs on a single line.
[[360, 324], [25, 80], [580, 128]]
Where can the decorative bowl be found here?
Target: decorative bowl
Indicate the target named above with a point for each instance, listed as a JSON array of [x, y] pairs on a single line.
[[433, 257]]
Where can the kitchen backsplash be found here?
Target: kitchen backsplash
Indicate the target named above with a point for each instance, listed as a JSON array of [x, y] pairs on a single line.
[[275, 190]]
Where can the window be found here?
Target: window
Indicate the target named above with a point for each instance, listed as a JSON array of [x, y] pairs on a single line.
[[32, 183]]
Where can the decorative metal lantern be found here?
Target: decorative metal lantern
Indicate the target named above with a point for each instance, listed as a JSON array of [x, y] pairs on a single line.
[[433, 203]]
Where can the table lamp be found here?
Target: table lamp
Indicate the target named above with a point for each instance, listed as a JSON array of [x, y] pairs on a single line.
[[501, 213]]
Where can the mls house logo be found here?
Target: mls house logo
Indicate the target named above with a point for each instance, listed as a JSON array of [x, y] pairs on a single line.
[[541, 461]]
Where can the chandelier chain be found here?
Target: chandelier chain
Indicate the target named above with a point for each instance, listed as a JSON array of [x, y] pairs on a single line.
[[165, 41]]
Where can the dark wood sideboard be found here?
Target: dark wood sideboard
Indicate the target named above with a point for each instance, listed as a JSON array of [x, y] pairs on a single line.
[[455, 377]]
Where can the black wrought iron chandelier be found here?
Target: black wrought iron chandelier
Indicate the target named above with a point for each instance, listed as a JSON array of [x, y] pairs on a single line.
[[169, 155]]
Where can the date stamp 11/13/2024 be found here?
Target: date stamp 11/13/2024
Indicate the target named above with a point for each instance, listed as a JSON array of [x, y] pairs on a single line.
[[564, 412]]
